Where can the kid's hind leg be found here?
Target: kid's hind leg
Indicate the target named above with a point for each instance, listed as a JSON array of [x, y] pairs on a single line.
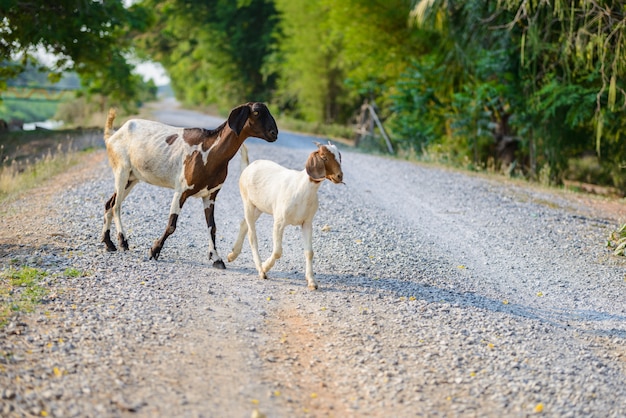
[[252, 215]]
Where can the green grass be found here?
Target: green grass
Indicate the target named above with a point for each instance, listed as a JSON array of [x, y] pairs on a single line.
[[72, 272], [20, 291], [23, 288]]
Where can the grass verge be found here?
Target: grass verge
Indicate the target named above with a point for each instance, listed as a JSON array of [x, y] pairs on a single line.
[[18, 177]]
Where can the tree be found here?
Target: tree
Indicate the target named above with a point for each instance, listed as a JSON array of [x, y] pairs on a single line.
[[214, 51], [333, 54], [91, 38]]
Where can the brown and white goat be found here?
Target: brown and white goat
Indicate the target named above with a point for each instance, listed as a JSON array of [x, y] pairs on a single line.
[[192, 161], [291, 197]]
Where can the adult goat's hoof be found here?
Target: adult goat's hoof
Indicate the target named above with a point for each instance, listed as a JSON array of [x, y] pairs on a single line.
[[154, 253], [122, 240], [107, 241], [219, 264], [110, 246]]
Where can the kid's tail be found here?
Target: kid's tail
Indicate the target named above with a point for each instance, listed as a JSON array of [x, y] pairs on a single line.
[[109, 124], [245, 161]]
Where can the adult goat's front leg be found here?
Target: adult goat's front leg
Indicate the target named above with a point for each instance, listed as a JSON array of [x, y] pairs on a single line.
[[209, 208], [307, 238], [177, 204]]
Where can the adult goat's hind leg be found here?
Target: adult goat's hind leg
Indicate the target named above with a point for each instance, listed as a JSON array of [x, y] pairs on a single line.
[[112, 209], [106, 229]]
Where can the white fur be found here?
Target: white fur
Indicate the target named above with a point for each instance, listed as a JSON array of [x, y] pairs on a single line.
[[291, 197]]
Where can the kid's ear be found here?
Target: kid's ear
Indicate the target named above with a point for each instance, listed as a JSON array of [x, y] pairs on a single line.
[[315, 167]]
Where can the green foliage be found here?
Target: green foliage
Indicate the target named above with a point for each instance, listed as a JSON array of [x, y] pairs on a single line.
[[91, 38], [546, 73], [27, 111], [214, 51], [419, 116], [331, 55], [310, 77]]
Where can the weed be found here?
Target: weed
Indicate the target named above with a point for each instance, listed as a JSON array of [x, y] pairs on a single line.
[[72, 272], [617, 240], [20, 291]]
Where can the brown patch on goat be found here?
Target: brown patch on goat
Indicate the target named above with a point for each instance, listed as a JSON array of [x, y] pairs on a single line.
[[195, 171], [197, 136], [111, 202], [315, 167], [171, 139]]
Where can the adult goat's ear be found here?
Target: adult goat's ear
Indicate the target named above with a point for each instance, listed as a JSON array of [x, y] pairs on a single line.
[[238, 117], [315, 167]]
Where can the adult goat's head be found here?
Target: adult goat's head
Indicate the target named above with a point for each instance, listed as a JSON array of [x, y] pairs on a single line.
[[325, 163], [253, 119]]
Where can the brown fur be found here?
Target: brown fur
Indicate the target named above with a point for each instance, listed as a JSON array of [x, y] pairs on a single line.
[[171, 139], [109, 123]]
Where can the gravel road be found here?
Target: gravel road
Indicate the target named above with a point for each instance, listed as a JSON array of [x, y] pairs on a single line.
[[441, 294]]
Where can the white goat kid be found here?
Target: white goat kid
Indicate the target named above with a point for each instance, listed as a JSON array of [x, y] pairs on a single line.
[[291, 197], [192, 161]]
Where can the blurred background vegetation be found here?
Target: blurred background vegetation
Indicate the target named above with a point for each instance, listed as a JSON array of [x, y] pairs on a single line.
[[530, 88]]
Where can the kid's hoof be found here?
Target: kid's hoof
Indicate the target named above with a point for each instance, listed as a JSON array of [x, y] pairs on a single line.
[[219, 264]]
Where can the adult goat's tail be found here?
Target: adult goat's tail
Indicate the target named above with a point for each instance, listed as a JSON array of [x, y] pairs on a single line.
[[109, 124], [245, 161]]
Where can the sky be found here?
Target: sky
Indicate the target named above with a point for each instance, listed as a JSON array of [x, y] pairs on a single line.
[[152, 70], [147, 69]]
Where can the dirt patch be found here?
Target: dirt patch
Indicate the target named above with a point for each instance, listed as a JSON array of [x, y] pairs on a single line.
[[299, 367], [20, 234]]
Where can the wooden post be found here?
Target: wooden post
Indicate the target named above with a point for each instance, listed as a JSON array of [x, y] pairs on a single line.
[[382, 129]]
